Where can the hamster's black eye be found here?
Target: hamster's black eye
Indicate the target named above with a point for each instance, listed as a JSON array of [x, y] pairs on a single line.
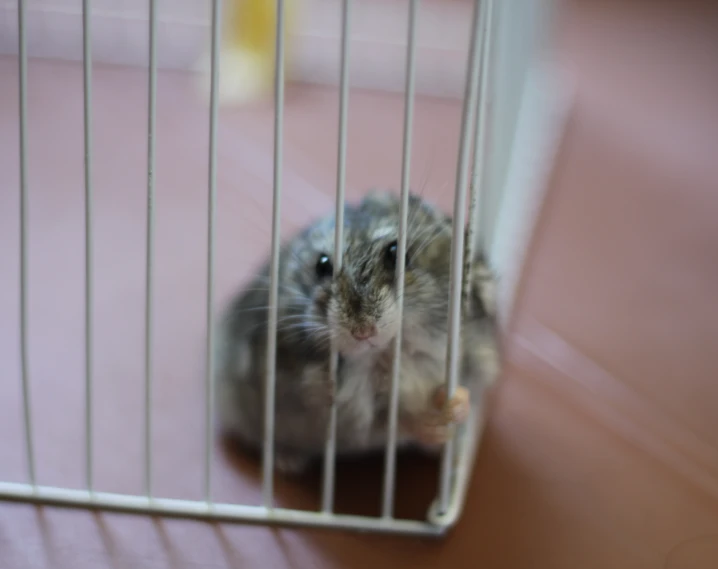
[[390, 255], [324, 266]]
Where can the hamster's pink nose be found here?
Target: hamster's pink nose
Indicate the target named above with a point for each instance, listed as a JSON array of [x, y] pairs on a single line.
[[364, 333]]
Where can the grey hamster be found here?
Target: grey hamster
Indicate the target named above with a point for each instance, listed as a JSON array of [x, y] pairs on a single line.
[[356, 307]]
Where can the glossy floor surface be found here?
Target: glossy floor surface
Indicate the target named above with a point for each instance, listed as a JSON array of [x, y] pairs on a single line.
[[601, 449]]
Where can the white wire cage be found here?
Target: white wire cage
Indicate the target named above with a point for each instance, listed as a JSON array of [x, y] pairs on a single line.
[[458, 456]]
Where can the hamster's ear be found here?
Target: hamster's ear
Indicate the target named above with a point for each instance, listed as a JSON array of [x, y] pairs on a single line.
[[414, 200]]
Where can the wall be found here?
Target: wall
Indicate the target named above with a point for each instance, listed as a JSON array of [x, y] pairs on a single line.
[[377, 46], [616, 323]]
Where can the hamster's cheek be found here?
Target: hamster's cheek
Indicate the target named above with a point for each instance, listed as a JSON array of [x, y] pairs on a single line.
[[321, 302], [343, 339], [388, 325], [333, 316]]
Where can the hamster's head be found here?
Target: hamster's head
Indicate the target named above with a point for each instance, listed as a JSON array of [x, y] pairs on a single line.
[[357, 305]]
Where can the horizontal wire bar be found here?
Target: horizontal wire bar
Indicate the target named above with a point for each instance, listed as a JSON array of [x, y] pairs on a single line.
[[203, 510]]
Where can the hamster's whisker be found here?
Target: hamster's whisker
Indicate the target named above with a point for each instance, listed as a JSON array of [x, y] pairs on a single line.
[[315, 333], [300, 327], [428, 167], [306, 323], [310, 334], [280, 321], [290, 317], [282, 287], [322, 340], [267, 281], [267, 307], [309, 325]]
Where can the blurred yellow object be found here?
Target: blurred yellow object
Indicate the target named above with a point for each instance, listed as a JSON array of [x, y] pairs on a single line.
[[252, 24], [248, 49]]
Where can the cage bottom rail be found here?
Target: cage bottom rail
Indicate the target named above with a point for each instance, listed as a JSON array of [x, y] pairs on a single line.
[[437, 523]]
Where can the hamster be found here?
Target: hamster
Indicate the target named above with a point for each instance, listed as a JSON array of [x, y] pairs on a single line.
[[357, 308]]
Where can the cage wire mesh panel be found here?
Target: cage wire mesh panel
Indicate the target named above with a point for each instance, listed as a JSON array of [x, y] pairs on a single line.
[[458, 455]]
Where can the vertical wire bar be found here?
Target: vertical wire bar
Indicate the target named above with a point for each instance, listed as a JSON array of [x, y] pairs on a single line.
[[330, 449], [27, 415], [476, 237], [486, 221], [268, 451], [151, 106], [457, 247], [87, 78], [390, 458], [211, 217]]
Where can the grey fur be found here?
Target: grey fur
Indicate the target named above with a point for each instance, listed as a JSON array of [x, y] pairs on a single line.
[[311, 311]]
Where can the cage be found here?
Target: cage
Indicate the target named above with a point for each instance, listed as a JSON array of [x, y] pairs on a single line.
[[500, 38]]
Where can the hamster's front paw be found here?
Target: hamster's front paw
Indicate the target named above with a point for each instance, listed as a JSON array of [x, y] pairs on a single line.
[[457, 410], [435, 426]]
